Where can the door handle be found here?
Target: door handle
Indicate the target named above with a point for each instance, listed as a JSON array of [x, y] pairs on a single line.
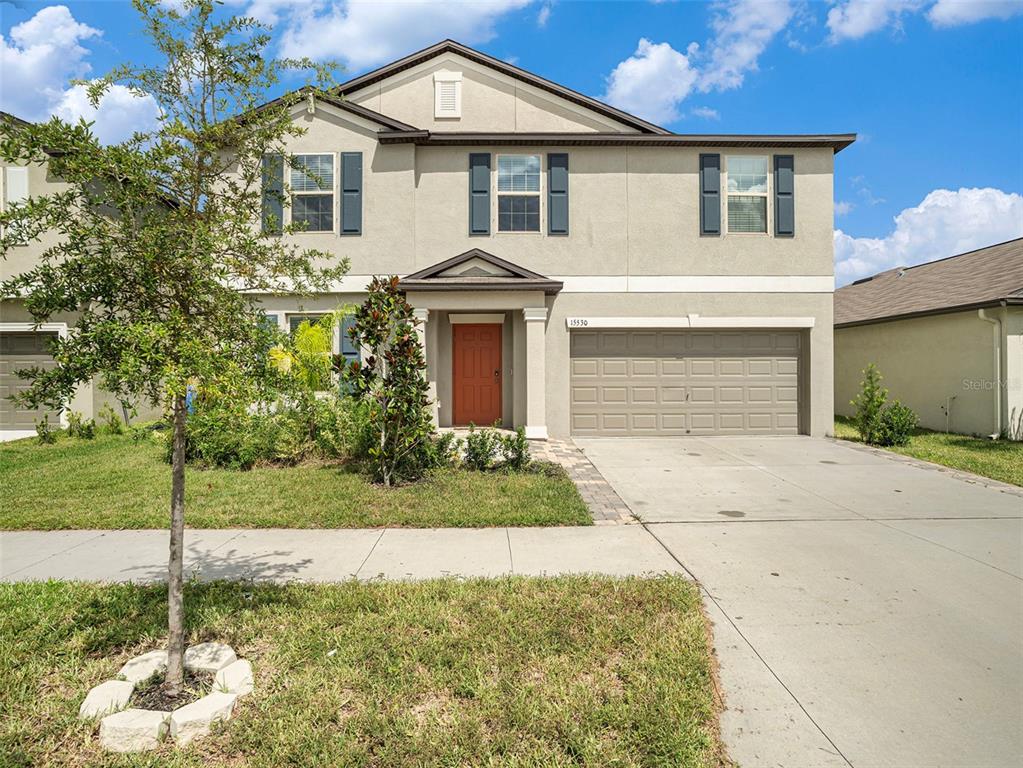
[[497, 373]]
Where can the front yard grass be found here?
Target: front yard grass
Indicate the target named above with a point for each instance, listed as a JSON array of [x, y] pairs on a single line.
[[515, 672], [998, 459], [114, 482]]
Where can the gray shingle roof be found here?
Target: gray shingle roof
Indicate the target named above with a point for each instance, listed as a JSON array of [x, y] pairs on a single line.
[[974, 279]]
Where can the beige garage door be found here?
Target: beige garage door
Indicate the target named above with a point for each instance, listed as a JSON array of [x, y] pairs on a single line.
[[684, 382], [18, 351]]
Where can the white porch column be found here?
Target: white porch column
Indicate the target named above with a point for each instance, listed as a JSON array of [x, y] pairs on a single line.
[[421, 316], [536, 372]]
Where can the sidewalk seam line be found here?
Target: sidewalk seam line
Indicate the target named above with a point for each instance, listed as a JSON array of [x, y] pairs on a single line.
[[369, 554], [50, 557], [511, 558]]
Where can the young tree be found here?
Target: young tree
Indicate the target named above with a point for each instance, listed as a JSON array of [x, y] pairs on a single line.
[[392, 379], [159, 245], [869, 404]]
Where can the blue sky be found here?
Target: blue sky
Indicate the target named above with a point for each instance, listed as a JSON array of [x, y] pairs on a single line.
[[933, 87]]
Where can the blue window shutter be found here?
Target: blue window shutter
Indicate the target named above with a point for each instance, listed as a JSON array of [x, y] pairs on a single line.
[[784, 196], [557, 193], [710, 194], [479, 193], [349, 350], [273, 190], [351, 193]]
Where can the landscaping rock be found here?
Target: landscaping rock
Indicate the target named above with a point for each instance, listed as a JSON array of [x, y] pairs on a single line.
[[133, 730], [143, 667], [105, 698], [235, 678], [209, 657], [195, 719]]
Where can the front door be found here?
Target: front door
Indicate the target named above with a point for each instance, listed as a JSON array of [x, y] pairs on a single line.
[[476, 378]]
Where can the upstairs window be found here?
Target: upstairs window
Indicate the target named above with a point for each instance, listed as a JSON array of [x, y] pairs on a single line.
[[447, 96], [312, 192], [518, 193], [747, 194]]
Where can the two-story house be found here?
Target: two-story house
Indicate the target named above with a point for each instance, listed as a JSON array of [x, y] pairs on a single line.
[[578, 270]]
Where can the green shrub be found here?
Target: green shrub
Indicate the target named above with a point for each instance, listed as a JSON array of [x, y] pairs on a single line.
[[146, 430], [515, 449], [45, 433], [79, 427], [869, 403], [112, 423], [895, 425], [481, 448]]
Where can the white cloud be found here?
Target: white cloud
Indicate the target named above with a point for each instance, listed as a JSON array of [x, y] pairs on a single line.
[[656, 79], [652, 82], [854, 19], [42, 55], [945, 223], [950, 13], [544, 15], [120, 112], [843, 208], [742, 31], [362, 34], [706, 113]]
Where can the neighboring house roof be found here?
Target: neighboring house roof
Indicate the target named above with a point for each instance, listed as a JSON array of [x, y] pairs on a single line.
[[477, 270], [983, 278], [837, 142], [450, 46], [7, 117]]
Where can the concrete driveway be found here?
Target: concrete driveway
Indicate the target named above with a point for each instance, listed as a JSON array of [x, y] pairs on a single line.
[[868, 611]]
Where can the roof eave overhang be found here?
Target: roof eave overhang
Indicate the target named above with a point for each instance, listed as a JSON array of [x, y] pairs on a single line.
[[950, 310], [835, 142]]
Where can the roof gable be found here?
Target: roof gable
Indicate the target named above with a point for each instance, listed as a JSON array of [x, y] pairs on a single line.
[[477, 269], [360, 84]]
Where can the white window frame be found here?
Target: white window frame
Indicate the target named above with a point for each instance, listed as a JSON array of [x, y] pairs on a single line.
[[496, 212], [768, 206], [440, 79], [335, 192]]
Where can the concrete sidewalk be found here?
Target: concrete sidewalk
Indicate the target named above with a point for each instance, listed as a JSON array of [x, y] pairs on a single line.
[[333, 555]]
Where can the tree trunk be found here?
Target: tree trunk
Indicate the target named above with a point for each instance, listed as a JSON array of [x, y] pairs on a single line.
[[175, 602]]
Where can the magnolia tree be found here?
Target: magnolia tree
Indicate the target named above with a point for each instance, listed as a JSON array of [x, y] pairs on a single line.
[[159, 247]]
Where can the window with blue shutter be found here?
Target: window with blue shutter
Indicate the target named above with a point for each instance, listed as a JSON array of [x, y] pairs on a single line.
[[710, 194], [557, 193], [784, 196], [351, 193], [479, 193], [273, 194]]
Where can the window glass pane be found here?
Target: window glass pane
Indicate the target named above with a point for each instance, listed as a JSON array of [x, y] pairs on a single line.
[[747, 213], [747, 174], [312, 173], [316, 211], [518, 213], [518, 173]]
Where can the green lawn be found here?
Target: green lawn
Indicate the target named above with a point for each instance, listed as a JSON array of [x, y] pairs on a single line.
[[998, 459], [113, 482], [511, 672]]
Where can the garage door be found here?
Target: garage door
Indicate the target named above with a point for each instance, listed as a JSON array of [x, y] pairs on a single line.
[[18, 351], [684, 382]]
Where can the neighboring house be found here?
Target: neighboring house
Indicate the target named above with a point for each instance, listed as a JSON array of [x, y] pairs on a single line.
[[579, 271], [947, 336]]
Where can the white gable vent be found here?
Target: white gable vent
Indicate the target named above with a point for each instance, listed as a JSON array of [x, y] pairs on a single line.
[[447, 88]]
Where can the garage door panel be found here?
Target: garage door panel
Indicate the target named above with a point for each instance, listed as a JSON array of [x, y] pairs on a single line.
[[685, 382], [21, 351]]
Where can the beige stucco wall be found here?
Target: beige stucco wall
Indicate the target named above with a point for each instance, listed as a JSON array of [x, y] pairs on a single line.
[[926, 362], [491, 101], [23, 257]]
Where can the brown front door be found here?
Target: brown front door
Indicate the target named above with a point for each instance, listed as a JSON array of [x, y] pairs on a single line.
[[476, 378]]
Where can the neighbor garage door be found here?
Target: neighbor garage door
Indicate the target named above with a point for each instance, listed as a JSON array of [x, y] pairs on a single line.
[[652, 382], [18, 351]]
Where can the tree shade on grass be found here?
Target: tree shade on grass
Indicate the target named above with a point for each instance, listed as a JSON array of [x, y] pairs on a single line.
[[523, 672], [113, 482], [997, 459]]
